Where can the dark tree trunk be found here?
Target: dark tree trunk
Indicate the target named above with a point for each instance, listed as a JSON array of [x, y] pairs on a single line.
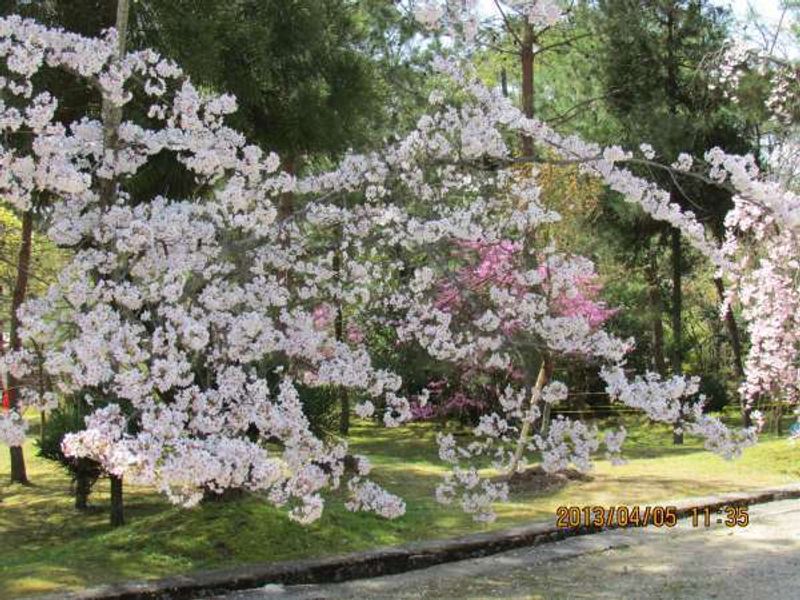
[[527, 65], [227, 495], [83, 486], [338, 326], [671, 92], [285, 213], [286, 200], [677, 322], [18, 471], [656, 311], [677, 434], [344, 417], [736, 346], [112, 119], [117, 507]]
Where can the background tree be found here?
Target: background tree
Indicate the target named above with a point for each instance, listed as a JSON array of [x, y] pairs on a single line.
[[304, 87], [652, 60]]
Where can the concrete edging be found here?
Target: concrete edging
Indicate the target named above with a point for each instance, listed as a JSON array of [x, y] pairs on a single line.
[[382, 561]]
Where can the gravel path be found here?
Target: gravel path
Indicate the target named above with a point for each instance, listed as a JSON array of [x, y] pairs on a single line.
[[760, 561]]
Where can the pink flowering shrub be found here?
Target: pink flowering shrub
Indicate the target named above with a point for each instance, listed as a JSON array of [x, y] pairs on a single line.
[[457, 403]]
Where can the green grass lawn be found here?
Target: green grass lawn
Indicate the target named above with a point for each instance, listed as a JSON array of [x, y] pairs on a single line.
[[47, 545]]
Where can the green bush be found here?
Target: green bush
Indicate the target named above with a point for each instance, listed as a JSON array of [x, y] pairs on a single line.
[[83, 471], [715, 392]]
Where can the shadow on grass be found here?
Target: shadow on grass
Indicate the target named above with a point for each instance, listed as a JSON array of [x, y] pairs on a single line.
[[37, 516], [56, 546], [416, 442]]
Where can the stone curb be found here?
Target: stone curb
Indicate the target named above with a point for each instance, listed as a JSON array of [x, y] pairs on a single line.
[[382, 561]]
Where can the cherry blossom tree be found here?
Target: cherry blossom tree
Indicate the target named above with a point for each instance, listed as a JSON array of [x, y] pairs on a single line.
[[492, 309], [660, 399], [760, 73], [173, 320]]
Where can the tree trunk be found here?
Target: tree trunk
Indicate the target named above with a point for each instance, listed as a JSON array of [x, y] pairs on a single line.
[[656, 312], [677, 323], [677, 433], [338, 327], [18, 471], [545, 424], [83, 487], [112, 118], [117, 507], [533, 395], [671, 92], [736, 346], [527, 66], [227, 495], [112, 114]]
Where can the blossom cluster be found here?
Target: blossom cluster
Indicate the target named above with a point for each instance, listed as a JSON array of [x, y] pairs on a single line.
[[460, 18], [740, 59]]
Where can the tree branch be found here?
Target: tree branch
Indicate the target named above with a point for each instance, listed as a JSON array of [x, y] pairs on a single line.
[[507, 21]]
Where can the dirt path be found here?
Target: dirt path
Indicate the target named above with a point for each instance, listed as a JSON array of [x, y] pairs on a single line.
[[760, 561]]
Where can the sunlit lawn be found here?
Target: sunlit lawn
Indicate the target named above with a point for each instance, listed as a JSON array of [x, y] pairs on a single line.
[[47, 545]]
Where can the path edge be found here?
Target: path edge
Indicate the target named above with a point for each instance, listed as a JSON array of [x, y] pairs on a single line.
[[383, 561]]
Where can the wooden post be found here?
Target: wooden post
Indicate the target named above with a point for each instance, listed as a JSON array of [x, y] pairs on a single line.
[[534, 393]]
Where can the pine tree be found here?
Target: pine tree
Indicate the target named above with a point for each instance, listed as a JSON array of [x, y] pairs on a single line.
[[652, 63]]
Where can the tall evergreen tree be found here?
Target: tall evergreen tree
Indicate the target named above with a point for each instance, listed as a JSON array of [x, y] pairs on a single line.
[[296, 67], [652, 63]]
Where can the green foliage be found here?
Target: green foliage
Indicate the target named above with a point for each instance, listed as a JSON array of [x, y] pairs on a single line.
[[715, 392], [87, 17], [321, 408], [84, 472], [296, 66], [46, 260], [652, 61]]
